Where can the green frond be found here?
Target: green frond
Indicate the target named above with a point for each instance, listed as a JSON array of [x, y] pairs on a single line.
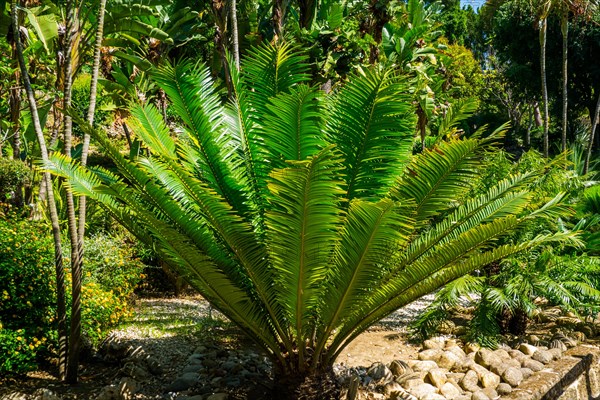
[[148, 123], [505, 199], [192, 94], [455, 114], [291, 130], [301, 231], [271, 69], [439, 176], [390, 297], [371, 234], [372, 122]]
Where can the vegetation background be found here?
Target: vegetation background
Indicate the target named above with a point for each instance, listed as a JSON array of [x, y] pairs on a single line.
[[303, 134]]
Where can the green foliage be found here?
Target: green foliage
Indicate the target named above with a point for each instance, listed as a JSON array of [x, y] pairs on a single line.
[[26, 293], [27, 290], [81, 103], [18, 351], [110, 263], [304, 218], [501, 292], [111, 273], [591, 200], [14, 175]]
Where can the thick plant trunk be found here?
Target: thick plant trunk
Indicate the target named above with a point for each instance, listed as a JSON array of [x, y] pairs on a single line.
[[75, 333], [594, 121], [58, 257], [277, 17], [543, 30], [235, 35], [319, 385], [564, 27], [90, 120], [308, 9], [220, 40]]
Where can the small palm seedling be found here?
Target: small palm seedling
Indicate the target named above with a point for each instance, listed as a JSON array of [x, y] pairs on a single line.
[[304, 218]]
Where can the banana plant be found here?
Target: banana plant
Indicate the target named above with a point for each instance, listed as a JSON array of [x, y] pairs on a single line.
[[303, 217]]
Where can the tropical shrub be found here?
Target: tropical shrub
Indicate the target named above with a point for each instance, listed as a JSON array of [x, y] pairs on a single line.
[[110, 263], [304, 218], [81, 102], [14, 175], [503, 293], [26, 293]]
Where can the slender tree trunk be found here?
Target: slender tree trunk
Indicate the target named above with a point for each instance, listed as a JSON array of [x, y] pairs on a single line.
[[90, 120], [75, 334], [15, 113], [594, 121], [58, 257], [220, 40], [235, 34], [529, 126], [277, 17], [564, 27], [14, 100], [543, 31]]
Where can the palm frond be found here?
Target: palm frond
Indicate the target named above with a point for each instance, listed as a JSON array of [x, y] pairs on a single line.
[[291, 128], [439, 176], [301, 232], [270, 69], [192, 94], [372, 123], [371, 234]]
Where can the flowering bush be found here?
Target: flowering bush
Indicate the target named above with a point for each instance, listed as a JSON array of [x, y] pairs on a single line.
[[26, 293], [28, 290]]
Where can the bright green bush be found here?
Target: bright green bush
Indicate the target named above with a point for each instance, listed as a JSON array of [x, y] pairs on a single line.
[[591, 200], [26, 293], [28, 290], [14, 174], [18, 350], [81, 102], [111, 273], [110, 263]]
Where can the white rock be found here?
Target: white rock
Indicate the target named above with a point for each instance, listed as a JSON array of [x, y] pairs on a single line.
[[448, 359], [543, 356], [423, 389], [513, 376], [449, 390], [469, 381], [424, 365], [434, 343], [430, 355], [437, 376], [527, 349]]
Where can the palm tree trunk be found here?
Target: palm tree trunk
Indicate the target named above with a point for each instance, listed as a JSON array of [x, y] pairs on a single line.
[[594, 121], [277, 17], [14, 101], [90, 118], [235, 35], [543, 31], [308, 9], [58, 257], [75, 334], [564, 27]]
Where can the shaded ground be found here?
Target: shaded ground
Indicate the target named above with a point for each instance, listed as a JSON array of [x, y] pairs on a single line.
[[169, 329]]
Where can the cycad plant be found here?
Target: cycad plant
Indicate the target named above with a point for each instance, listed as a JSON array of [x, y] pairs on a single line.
[[304, 218]]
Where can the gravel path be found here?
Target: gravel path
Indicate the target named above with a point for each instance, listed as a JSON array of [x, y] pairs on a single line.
[[170, 331]]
